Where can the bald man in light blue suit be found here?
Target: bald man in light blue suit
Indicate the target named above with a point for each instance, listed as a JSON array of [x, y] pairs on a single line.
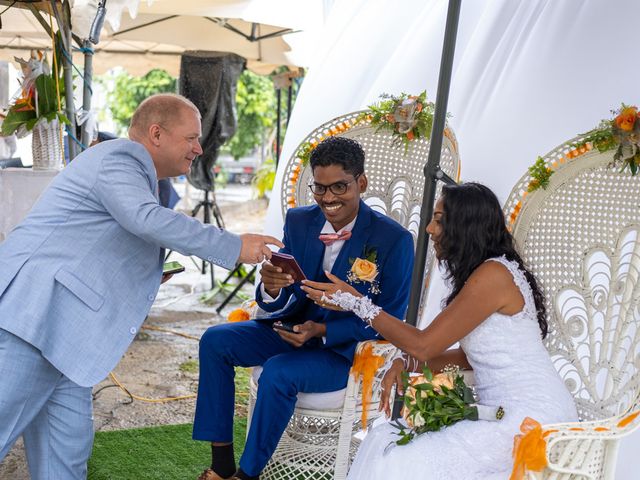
[[79, 275]]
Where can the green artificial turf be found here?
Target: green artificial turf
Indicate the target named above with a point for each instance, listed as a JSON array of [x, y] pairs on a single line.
[[166, 452], [153, 453]]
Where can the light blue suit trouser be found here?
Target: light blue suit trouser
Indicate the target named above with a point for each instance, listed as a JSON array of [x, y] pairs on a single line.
[[53, 414]]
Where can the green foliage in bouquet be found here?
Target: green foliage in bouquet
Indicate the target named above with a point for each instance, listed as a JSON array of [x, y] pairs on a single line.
[[39, 99], [432, 402]]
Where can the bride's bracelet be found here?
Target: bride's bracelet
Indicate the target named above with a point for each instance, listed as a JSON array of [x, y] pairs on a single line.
[[411, 364], [361, 306]]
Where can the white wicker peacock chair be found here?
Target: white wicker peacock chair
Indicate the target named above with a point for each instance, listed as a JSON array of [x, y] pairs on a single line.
[[319, 441], [581, 238]]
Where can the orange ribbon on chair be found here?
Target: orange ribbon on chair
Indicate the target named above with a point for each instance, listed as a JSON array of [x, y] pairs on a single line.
[[529, 449], [365, 365], [628, 419]]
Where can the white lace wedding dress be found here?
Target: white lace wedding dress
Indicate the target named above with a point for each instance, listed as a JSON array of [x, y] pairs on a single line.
[[511, 368]]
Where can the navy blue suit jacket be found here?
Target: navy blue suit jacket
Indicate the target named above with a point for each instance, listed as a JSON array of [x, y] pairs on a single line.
[[372, 230]]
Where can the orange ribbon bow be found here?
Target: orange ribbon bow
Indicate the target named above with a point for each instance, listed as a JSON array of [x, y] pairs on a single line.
[[529, 449], [366, 364]]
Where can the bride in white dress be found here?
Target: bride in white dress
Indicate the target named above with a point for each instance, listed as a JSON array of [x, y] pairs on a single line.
[[496, 313]]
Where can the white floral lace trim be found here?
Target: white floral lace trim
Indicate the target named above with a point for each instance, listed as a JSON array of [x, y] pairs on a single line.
[[521, 282], [361, 306]]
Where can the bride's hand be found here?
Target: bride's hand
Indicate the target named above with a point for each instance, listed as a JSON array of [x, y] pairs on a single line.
[[315, 290], [391, 378]]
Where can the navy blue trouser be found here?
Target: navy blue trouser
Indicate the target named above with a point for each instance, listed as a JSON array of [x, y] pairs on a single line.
[[286, 371]]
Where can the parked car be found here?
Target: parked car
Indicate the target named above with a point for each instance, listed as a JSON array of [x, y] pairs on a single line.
[[237, 171]]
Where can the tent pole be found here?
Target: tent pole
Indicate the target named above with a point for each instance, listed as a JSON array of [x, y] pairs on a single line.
[[87, 92], [68, 81], [289, 99], [278, 121], [64, 26], [432, 168]]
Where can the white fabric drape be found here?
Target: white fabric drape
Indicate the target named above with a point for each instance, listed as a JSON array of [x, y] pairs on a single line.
[[528, 75]]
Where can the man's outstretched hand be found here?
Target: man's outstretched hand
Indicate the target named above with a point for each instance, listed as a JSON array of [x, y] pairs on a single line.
[[255, 247]]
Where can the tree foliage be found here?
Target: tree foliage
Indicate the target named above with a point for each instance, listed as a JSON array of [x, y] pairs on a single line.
[[129, 91], [256, 106], [255, 103]]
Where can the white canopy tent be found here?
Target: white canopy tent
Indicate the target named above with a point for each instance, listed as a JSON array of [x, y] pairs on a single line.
[[527, 76], [159, 34], [143, 35]]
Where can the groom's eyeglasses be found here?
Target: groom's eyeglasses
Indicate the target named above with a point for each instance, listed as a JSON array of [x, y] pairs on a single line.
[[338, 188]]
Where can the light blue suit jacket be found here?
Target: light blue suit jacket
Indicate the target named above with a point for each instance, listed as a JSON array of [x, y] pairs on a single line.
[[80, 273]]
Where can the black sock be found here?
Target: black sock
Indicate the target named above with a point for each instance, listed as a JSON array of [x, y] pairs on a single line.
[[222, 460], [243, 476]]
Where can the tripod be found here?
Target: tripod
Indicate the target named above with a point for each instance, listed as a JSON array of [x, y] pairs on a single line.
[[211, 209]]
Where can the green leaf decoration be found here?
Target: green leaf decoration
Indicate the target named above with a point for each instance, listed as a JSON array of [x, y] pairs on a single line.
[[540, 175], [618, 133], [14, 119], [40, 102], [383, 116], [47, 99], [31, 123]]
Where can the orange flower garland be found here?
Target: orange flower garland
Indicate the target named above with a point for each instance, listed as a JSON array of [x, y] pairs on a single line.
[[535, 183], [365, 366]]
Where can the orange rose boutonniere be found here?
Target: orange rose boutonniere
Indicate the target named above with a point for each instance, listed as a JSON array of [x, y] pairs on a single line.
[[365, 269]]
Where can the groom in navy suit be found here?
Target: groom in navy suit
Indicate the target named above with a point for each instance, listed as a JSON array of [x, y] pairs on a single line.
[[340, 234]]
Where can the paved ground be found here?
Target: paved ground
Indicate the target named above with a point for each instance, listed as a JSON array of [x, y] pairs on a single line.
[[159, 364]]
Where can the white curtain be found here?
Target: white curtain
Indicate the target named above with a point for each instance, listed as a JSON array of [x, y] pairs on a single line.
[[528, 75]]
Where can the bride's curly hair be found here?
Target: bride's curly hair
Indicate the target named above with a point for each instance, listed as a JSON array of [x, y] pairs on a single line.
[[473, 230]]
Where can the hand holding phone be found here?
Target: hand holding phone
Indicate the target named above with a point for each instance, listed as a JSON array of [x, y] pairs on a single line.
[[286, 326], [289, 265], [169, 268]]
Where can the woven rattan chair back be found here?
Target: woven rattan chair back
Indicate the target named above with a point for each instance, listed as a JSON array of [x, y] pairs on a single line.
[[581, 238]]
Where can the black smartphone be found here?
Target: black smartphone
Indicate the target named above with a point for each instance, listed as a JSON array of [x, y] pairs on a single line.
[[170, 268], [286, 326]]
